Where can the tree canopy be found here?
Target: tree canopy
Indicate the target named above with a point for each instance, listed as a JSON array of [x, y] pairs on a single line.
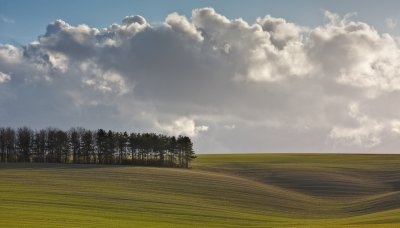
[[80, 145]]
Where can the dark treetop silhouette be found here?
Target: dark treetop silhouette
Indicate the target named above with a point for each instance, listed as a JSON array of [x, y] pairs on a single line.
[[79, 145]]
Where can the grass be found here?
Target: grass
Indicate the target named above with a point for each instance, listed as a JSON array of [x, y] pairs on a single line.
[[252, 190]]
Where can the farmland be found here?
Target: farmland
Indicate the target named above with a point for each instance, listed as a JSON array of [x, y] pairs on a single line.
[[252, 190]]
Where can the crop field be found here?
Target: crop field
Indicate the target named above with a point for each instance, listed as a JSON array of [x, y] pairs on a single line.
[[242, 190]]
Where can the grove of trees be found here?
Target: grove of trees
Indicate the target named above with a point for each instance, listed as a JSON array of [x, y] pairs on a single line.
[[79, 145]]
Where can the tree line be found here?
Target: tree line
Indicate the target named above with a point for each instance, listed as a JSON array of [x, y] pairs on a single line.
[[83, 146]]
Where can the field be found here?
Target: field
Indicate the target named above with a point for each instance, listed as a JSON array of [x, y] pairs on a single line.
[[252, 190]]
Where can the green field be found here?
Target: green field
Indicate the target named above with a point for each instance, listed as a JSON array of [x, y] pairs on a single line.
[[252, 190]]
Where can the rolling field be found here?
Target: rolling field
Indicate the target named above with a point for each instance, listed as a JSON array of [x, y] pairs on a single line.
[[252, 190]]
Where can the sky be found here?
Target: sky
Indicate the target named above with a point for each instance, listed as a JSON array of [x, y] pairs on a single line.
[[236, 76]]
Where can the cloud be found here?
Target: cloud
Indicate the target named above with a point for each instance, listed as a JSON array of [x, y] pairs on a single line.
[[367, 133], [281, 32], [102, 80], [182, 26], [183, 126], [257, 52], [358, 55], [6, 20], [10, 54], [330, 86], [134, 19], [391, 23], [4, 77], [230, 126]]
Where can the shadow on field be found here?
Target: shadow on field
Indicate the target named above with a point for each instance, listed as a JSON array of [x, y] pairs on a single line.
[[376, 204], [325, 183], [318, 181]]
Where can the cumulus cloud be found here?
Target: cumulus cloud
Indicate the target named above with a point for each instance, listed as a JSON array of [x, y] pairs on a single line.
[[281, 32], [183, 126], [366, 133], [128, 20], [102, 80], [258, 52], [10, 54], [355, 54], [287, 87]]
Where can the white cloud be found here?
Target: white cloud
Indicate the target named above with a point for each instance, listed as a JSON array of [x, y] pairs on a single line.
[[276, 80], [269, 50], [391, 23], [280, 31], [229, 126], [6, 20], [366, 134], [134, 19], [395, 126], [368, 131], [10, 54], [182, 26], [201, 128], [183, 126], [103, 80], [356, 54], [4, 77]]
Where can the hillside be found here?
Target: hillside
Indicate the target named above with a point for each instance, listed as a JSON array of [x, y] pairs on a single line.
[[252, 190]]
